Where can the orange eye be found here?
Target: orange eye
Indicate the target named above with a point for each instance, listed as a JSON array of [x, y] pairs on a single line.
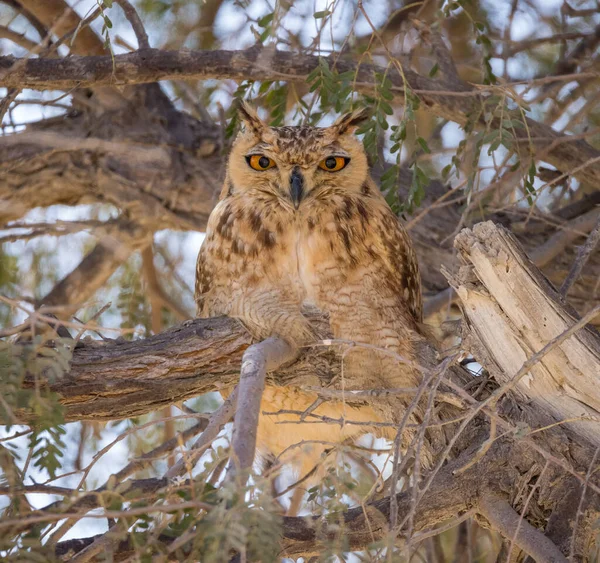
[[333, 163], [260, 162]]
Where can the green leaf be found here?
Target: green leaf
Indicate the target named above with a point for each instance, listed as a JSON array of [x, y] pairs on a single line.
[[382, 122], [386, 108], [321, 14], [434, 70], [266, 20], [424, 145], [316, 84], [390, 173]]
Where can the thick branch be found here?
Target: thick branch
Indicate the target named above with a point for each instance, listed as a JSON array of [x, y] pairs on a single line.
[[151, 65], [124, 379]]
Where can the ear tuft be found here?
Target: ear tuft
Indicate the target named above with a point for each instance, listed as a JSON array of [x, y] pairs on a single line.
[[350, 121], [249, 116]]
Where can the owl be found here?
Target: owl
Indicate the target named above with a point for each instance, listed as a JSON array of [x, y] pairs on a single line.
[[299, 225]]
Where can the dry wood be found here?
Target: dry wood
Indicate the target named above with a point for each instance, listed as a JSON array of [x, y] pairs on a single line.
[[513, 312]]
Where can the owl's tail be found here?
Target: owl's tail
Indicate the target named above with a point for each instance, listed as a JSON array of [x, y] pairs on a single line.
[[301, 444]]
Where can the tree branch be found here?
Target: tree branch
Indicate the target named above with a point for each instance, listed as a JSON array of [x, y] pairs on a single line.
[[93, 271], [505, 520], [59, 15], [446, 100], [17, 38], [514, 314], [259, 358], [302, 536], [123, 379]]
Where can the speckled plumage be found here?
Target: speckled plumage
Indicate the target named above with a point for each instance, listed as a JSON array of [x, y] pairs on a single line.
[[341, 250]]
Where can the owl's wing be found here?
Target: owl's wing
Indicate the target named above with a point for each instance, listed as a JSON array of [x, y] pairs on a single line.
[[203, 278], [207, 265], [401, 269]]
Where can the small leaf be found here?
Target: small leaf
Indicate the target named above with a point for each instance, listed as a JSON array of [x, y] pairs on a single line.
[[424, 145], [386, 108], [266, 20], [434, 70], [321, 14]]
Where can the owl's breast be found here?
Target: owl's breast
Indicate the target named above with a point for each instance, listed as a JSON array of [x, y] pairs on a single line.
[[318, 257]]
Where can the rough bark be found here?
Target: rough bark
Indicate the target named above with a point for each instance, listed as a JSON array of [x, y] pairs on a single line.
[[123, 379]]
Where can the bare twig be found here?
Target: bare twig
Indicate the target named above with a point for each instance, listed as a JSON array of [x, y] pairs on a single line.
[[591, 469], [18, 38], [217, 420], [136, 23], [582, 257]]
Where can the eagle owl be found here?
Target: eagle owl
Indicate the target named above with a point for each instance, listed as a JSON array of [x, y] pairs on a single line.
[[300, 223]]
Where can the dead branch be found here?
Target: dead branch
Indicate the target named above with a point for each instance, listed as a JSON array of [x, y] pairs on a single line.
[[217, 420], [582, 257], [513, 313]]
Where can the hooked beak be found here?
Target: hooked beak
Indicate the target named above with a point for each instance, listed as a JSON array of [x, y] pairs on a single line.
[[296, 187]]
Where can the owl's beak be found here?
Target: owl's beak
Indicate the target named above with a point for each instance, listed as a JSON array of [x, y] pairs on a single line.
[[296, 187]]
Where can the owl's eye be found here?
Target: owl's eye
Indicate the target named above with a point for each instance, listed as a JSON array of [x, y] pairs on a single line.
[[333, 163], [260, 162]]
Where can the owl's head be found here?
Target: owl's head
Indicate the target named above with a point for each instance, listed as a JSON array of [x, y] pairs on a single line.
[[297, 163]]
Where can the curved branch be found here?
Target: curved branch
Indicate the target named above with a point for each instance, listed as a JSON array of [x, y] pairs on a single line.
[[505, 520], [123, 379]]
